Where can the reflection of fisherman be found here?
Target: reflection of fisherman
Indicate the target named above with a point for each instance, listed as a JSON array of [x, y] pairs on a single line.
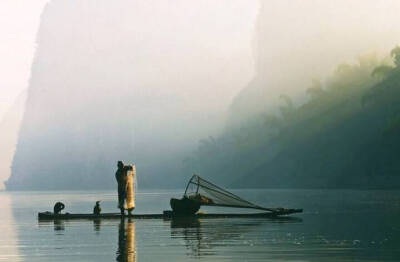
[[125, 178], [126, 242]]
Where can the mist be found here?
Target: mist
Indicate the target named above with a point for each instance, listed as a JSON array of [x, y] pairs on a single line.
[[132, 81], [302, 122], [296, 42], [144, 82]]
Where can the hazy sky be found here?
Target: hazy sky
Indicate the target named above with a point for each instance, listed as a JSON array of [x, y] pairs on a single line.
[[19, 20], [299, 37]]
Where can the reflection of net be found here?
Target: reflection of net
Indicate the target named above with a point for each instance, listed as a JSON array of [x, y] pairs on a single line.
[[209, 194]]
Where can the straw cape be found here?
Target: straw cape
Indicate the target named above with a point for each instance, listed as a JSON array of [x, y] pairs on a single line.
[[130, 188]]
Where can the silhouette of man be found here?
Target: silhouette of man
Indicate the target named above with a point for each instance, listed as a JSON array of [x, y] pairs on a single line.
[[97, 208], [121, 180]]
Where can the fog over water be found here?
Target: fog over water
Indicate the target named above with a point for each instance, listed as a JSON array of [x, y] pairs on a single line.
[[145, 81]]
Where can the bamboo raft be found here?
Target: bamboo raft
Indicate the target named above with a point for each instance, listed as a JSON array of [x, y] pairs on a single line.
[[164, 215], [199, 192]]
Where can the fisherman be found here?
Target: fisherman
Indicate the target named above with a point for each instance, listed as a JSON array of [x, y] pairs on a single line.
[[97, 208], [126, 195], [121, 180], [58, 207]]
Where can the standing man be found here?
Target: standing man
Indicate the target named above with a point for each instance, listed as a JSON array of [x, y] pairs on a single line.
[[121, 179]]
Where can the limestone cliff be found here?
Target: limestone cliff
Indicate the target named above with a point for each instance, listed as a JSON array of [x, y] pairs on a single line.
[[138, 81]]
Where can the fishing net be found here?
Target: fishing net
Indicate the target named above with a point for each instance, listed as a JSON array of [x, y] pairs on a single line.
[[200, 192], [206, 193]]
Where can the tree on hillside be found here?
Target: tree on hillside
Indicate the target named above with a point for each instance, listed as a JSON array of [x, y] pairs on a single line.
[[315, 90], [382, 71], [288, 108], [395, 53], [263, 138]]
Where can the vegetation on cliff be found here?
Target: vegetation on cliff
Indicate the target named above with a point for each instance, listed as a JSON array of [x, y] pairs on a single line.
[[346, 135]]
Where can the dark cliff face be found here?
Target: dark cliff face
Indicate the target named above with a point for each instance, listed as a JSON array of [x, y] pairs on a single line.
[[346, 136], [124, 80], [353, 145]]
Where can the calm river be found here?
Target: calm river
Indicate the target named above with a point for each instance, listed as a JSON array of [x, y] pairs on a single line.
[[337, 225]]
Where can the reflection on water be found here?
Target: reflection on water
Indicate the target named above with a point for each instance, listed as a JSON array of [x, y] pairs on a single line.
[[202, 235], [126, 241], [8, 245], [336, 226], [59, 225], [97, 225], [190, 231]]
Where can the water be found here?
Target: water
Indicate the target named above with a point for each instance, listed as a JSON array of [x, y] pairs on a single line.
[[337, 225]]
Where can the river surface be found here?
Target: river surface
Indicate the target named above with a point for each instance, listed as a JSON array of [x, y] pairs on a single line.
[[337, 225]]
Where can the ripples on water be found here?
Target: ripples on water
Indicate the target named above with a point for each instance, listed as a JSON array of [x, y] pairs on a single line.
[[336, 226]]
